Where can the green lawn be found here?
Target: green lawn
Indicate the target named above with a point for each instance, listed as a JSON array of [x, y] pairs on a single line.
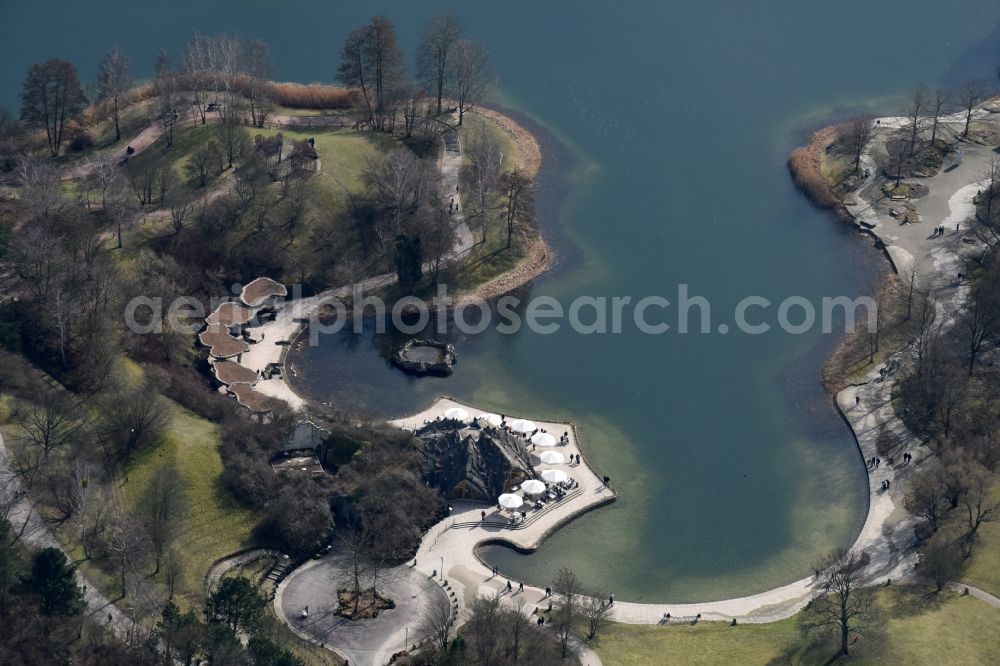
[[217, 524], [474, 124], [918, 630], [344, 156]]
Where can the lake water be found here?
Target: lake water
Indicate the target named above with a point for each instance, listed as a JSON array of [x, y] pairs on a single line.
[[666, 130]]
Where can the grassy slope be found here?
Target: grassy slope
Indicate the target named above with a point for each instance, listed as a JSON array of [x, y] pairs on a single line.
[[217, 525], [952, 629], [187, 139]]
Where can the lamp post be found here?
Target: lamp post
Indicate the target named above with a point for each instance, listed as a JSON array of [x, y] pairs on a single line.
[[442, 567], [406, 641]]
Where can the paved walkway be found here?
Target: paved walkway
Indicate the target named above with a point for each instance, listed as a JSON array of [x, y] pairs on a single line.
[[36, 535], [451, 167], [366, 642]]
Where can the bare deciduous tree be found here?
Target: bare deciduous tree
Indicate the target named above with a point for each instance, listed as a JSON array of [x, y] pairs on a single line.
[[470, 75], [970, 94], [909, 280], [204, 164], [49, 424], [941, 561], [131, 421], [168, 98], [114, 78], [485, 157], [520, 202], [979, 504], [127, 545], [196, 64], [845, 604], [979, 320], [173, 569], [941, 99], [373, 62], [163, 510], [41, 187], [51, 96], [259, 71], [915, 112], [925, 498], [566, 589], [597, 611], [435, 52], [436, 622], [856, 134], [987, 221]]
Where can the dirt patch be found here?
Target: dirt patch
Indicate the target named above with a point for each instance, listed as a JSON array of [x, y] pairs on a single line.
[[367, 607]]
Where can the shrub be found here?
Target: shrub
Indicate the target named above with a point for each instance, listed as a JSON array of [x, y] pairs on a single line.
[[81, 140], [804, 166], [311, 96]]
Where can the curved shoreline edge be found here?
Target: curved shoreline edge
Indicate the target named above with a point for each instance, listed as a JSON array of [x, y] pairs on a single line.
[[867, 409]]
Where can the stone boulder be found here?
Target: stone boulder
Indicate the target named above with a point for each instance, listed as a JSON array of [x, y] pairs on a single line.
[[468, 463], [443, 357]]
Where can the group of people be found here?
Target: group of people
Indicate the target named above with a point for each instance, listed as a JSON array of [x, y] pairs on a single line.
[[939, 230]]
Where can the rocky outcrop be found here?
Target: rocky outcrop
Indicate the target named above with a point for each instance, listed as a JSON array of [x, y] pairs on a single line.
[[472, 463], [405, 361]]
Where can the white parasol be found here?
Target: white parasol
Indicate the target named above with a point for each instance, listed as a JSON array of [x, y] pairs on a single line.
[[543, 439], [523, 425], [552, 458], [510, 501], [554, 475], [533, 487], [457, 414]]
